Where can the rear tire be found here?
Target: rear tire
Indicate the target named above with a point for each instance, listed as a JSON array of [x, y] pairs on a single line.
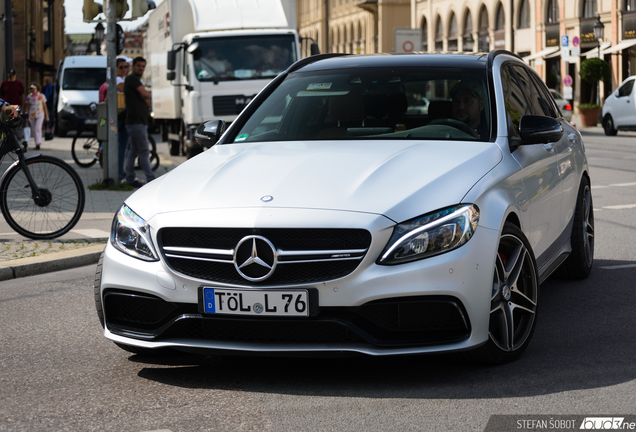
[[514, 299], [174, 148], [579, 264], [608, 126], [85, 150]]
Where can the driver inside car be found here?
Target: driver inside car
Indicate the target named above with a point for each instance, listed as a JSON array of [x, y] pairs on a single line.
[[468, 107]]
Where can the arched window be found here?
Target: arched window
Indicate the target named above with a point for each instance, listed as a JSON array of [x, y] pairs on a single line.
[[467, 32], [483, 41], [524, 15], [424, 34], [439, 35], [553, 12], [452, 33], [500, 22], [589, 8]]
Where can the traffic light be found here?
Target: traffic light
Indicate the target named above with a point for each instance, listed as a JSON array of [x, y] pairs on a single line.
[[121, 7], [141, 7], [91, 10]]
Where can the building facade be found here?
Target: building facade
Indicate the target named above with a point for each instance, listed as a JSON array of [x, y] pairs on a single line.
[[36, 43], [533, 29]]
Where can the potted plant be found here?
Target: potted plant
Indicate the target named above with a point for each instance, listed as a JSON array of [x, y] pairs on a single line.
[[592, 71]]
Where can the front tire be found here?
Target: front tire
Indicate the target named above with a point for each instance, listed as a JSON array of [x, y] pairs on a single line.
[[608, 126], [85, 150], [514, 299], [57, 209]]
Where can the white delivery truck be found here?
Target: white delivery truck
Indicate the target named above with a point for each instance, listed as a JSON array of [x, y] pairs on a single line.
[[209, 58]]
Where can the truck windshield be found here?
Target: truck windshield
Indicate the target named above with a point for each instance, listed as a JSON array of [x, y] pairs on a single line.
[[83, 78], [245, 57]]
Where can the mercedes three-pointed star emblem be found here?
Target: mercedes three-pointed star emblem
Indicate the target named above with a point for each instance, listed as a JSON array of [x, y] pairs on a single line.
[[255, 258]]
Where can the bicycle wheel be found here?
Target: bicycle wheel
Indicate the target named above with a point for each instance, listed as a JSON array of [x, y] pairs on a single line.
[[85, 150], [59, 206], [154, 157]]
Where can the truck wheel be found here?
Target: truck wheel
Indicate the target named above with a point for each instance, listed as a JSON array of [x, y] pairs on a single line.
[[174, 148], [193, 149]]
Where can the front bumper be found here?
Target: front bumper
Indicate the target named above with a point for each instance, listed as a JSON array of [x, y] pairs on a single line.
[[433, 305]]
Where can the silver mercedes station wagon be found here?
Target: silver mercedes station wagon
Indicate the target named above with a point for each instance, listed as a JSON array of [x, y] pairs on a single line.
[[381, 205]]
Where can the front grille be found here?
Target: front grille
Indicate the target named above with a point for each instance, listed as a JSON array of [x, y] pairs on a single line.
[[304, 255], [404, 321], [84, 111], [230, 105]]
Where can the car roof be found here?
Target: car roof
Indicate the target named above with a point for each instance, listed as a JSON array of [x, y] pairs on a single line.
[[464, 60]]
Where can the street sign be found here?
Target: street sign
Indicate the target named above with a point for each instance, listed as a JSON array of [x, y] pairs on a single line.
[[565, 54], [565, 41], [567, 81], [567, 93], [576, 41], [407, 40]]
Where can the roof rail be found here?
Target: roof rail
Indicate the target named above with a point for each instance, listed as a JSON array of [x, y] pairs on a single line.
[[494, 53], [311, 59]]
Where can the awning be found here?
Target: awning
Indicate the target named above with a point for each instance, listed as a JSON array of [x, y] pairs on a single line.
[[553, 55], [541, 54], [621, 46], [594, 52]]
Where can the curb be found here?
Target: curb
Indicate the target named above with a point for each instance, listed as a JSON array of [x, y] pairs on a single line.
[[50, 262]]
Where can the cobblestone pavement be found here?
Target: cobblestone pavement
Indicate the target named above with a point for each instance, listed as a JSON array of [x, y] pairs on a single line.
[[100, 207]]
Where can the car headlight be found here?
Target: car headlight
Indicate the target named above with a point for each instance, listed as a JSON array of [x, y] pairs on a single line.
[[431, 234], [68, 108], [131, 235]]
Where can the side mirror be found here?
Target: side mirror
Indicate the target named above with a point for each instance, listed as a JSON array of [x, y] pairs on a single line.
[[171, 75], [535, 129], [209, 133], [314, 49], [195, 51], [172, 60]]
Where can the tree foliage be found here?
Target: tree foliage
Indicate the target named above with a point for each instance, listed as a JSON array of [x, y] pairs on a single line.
[[594, 70]]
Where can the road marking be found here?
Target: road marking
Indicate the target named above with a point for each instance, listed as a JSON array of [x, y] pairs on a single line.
[[620, 207], [92, 233], [613, 185], [616, 267]]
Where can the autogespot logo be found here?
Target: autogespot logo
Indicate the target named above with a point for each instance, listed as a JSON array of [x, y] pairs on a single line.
[[255, 258]]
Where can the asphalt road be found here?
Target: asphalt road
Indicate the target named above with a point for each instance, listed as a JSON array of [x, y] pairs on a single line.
[[58, 373]]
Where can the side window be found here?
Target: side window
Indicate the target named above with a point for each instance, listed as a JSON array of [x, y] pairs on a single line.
[[538, 105], [626, 89], [550, 108], [516, 105]]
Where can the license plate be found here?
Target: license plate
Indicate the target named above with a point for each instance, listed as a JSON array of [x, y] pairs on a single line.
[[90, 121], [255, 302]]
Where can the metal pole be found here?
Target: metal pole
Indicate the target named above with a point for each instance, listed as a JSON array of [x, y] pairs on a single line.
[[8, 36], [109, 151], [598, 83]]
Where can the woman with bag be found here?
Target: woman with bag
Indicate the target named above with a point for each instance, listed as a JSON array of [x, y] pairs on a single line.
[[36, 108]]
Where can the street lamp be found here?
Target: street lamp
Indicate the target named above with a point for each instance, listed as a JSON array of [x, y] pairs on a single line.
[[99, 35], [598, 34]]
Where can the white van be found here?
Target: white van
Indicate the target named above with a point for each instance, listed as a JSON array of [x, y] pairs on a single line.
[[78, 82]]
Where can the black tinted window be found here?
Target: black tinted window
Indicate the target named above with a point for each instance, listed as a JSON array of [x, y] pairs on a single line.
[[516, 104], [626, 89], [84, 78], [538, 105]]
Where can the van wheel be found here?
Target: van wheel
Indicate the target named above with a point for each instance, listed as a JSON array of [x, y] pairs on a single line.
[[608, 126]]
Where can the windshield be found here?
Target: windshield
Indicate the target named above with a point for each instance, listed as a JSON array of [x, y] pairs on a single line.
[[244, 58], [374, 103], [84, 78]]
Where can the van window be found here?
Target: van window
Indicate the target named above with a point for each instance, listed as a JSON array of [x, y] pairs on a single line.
[[83, 78]]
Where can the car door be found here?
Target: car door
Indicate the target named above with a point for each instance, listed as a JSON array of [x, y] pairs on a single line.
[[539, 165], [623, 109]]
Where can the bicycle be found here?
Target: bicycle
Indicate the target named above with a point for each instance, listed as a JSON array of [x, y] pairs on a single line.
[[88, 150], [41, 197]]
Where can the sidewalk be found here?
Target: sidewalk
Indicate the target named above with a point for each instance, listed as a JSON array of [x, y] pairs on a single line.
[[20, 256]]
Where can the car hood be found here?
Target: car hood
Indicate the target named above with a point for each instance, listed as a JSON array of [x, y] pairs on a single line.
[[397, 179], [79, 97]]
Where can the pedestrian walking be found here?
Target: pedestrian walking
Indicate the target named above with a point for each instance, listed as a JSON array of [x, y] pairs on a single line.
[[123, 67], [137, 104], [37, 111], [12, 90]]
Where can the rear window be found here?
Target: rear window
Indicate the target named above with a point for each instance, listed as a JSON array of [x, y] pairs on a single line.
[[374, 103], [83, 78]]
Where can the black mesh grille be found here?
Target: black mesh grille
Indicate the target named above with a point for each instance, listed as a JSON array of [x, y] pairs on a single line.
[[84, 111], [230, 105], [284, 239], [394, 322]]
